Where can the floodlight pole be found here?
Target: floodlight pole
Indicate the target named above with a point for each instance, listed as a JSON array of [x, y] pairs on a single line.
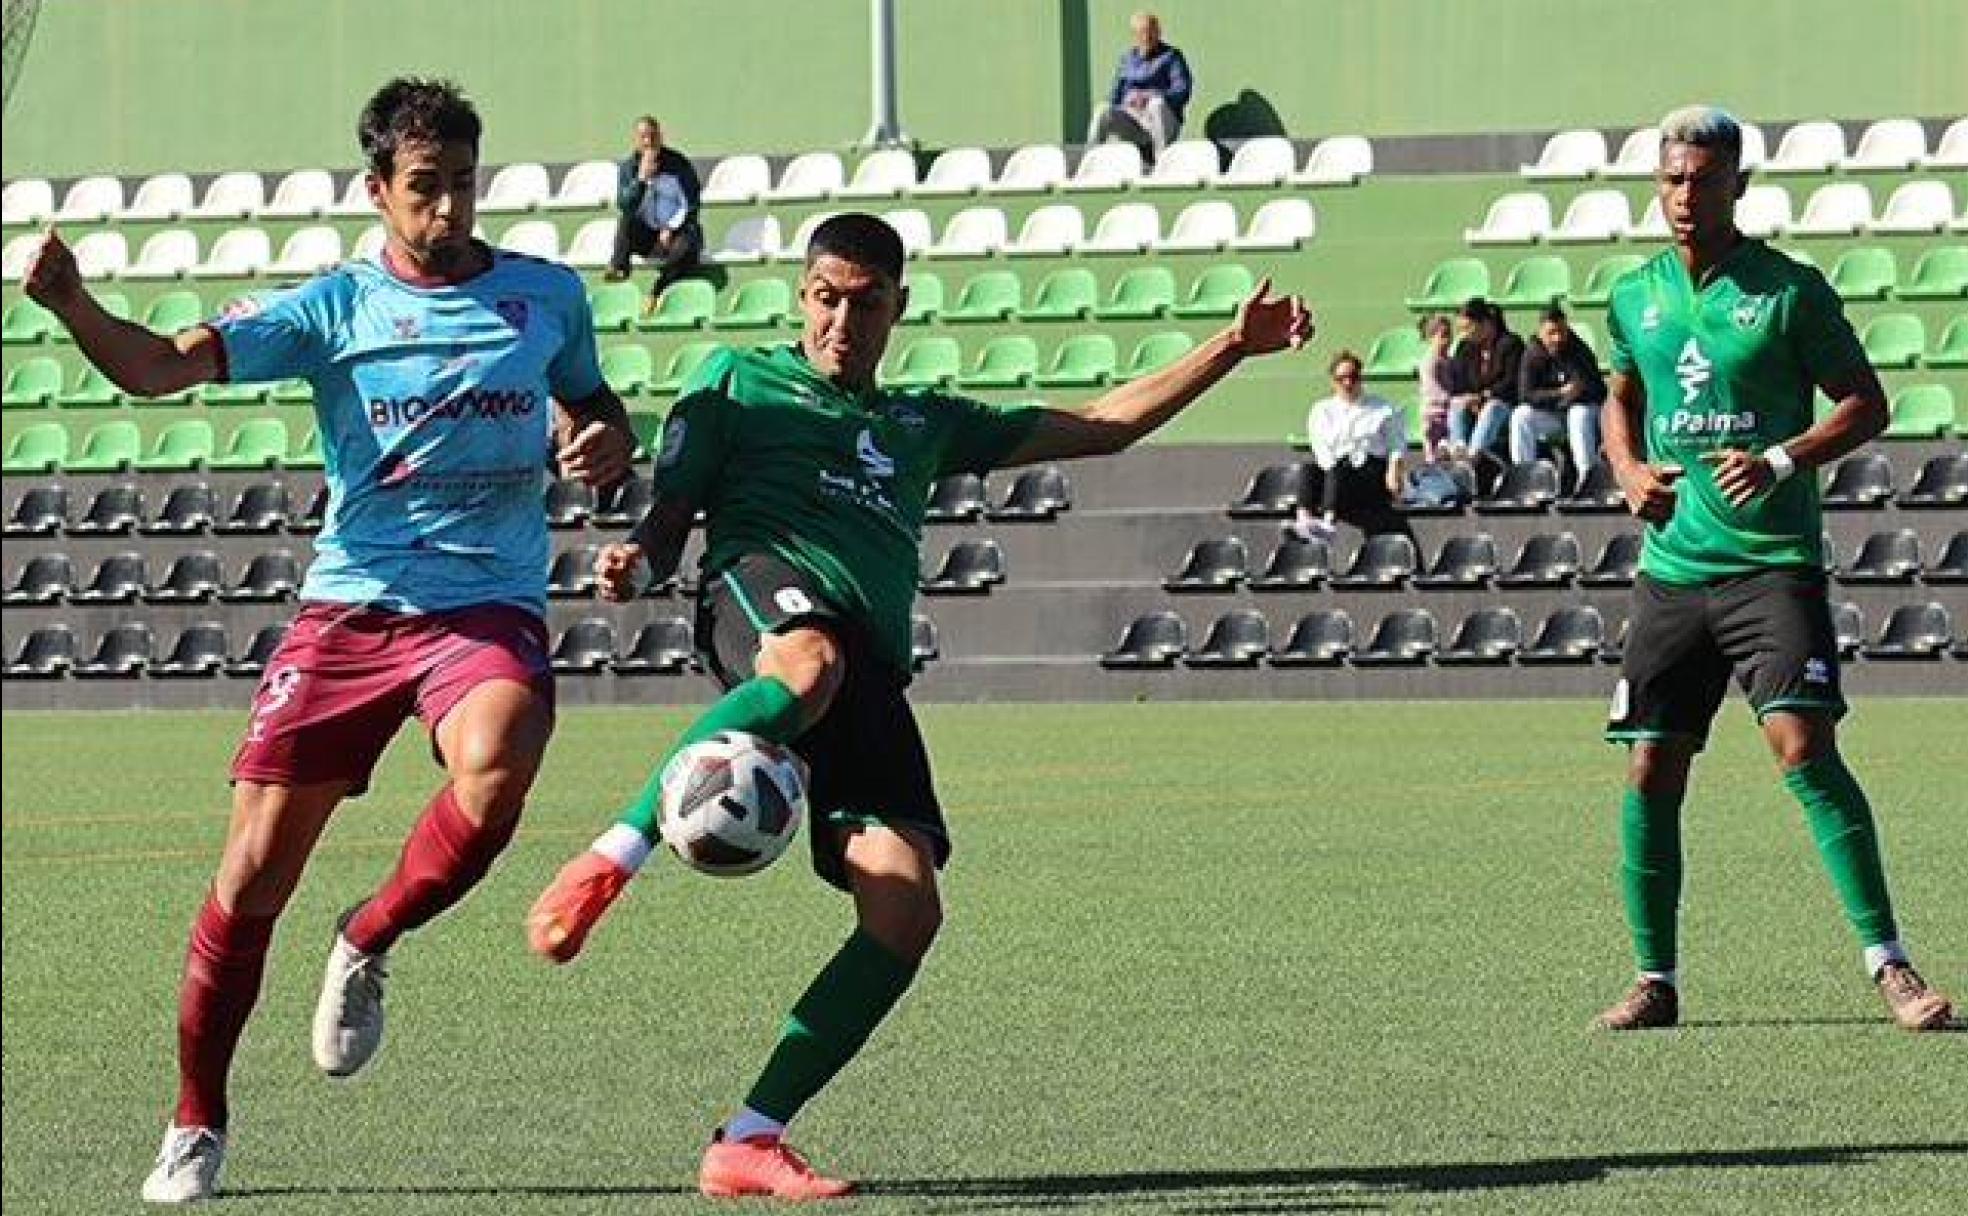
[[885, 128]]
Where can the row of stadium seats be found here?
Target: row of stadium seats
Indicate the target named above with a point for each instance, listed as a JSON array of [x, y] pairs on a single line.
[[1886, 146], [184, 444], [1523, 217], [1867, 272], [1486, 636], [814, 176]]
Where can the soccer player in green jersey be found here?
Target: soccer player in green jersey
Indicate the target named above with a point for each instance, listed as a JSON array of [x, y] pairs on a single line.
[[814, 481], [1717, 346]]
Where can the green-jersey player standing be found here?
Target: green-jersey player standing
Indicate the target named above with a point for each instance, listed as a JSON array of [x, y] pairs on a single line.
[[1719, 345], [814, 481]]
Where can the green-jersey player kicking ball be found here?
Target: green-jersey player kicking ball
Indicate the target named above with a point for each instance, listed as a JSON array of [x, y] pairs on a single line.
[[1718, 345], [814, 480]]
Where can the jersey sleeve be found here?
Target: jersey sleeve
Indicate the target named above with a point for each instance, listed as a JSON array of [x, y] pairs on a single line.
[[574, 374], [979, 437], [1619, 355], [283, 336], [1820, 333], [696, 438]]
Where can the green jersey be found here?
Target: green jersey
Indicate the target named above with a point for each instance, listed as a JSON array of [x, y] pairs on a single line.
[[1733, 363], [834, 482]]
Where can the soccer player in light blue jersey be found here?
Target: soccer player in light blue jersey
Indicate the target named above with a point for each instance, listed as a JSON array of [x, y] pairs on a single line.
[[446, 373]]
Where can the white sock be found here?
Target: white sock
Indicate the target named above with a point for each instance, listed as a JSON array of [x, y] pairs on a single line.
[[624, 846], [1882, 954], [748, 1123], [1668, 977]]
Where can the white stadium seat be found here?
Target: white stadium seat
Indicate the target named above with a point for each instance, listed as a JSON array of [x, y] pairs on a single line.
[[1568, 155], [1891, 144], [1763, 211], [308, 251], [1839, 209], [27, 201], [14, 258], [1341, 160], [912, 225], [795, 249], [1593, 217], [1755, 151], [1520, 218], [885, 174], [809, 175], [1114, 166], [1033, 169], [300, 195], [91, 199], [974, 232], [103, 255], [239, 253], [1051, 230], [1639, 155], [354, 202], [1808, 147], [1127, 228], [166, 196], [1919, 206], [1183, 165], [1264, 161], [1282, 223], [738, 179], [593, 244], [1652, 225], [586, 187], [520, 187], [535, 238], [1201, 228], [166, 255], [752, 239], [231, 196], [369, 244], [1950, 153], [956, 171]]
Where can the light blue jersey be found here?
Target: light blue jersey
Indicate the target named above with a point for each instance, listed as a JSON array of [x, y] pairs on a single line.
[[436, 414]]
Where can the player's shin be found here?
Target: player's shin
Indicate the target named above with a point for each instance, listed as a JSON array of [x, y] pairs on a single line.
[[1841, 822], [1650, 877], [221, 984]]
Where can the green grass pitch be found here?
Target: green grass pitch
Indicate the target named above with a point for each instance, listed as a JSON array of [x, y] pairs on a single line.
[[1200, 959]]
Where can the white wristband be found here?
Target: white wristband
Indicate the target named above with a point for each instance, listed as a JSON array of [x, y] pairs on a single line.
[[1780, 462]]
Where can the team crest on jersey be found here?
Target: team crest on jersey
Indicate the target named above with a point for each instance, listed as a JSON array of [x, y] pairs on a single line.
[[1817, 671], [1650, 320], [406, 328], [1751, 311], [239, 308], [513, 312], [874, 462]]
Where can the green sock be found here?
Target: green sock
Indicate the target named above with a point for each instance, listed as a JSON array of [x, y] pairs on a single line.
[[761, 706], [835, 1016], [1841, 820], [1650, 875]]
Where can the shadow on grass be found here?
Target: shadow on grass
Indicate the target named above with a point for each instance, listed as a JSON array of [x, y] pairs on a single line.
[[1230, 1192]]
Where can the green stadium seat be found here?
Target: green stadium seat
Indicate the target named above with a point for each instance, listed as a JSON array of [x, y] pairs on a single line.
[[1590, 336], [685, 305], [294, 392], [991, 296], [115, 303], [683, 364], [1007, 361], [1952, 350], [648, 430], [228, 395], [1925, 411], [1895, 340], [614, 307], [1536, 282], [1865, 273], [1155, 352], [181, 446], [256, 443], [1599, 280], [28, 323], [1066, 295], [1217, 291], [1940, 274], [309, 454], [925, 298], [1451, 283], [108, 448], [1142, 294], [759, 304], [173, 311], [628, 369], [1395, 354], [32, 384], [926, 362], [1081, 361], [91, 391], [40, 447]]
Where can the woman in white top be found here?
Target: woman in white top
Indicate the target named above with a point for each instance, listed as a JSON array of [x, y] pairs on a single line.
[[1358, 442]]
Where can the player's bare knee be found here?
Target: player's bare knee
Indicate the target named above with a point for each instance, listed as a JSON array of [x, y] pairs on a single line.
[[1660, 769], [491, 796], [810, 662], [906, 922], [1797, 739]]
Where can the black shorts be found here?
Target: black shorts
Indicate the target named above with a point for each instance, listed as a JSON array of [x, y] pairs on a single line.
[[1772, 629], [866, 758]]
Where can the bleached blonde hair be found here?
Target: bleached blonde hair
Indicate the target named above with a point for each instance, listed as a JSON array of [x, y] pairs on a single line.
[[1704, 127]]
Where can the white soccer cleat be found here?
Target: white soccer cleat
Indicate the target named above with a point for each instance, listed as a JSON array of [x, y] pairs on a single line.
[[348, 1019], [187, 1168]]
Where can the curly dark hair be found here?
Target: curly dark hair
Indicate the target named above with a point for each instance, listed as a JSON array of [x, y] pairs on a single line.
[[411, 110], [865, 240]]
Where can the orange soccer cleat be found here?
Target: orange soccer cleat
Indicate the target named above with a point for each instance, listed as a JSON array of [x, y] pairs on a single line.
[[566, 911], [765, 1166]]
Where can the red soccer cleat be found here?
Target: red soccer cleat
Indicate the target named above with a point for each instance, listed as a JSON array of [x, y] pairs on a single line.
[[767, 1166], [566, 911]]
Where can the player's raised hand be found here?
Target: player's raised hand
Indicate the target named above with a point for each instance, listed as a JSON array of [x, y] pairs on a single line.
[[1740, 475], [615, 570], [598, 455], [52, 278], [1265, 325], [1649, 489]]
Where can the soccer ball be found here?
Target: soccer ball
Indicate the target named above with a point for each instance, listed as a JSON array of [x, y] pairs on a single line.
[[732, 803]]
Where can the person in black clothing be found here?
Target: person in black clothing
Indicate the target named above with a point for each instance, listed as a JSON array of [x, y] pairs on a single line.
[[657, 192], [1560, 390], [1483, 371]]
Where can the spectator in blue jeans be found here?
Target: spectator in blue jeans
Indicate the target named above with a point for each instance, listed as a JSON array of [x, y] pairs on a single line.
[[1484, 372], [1560, 390]]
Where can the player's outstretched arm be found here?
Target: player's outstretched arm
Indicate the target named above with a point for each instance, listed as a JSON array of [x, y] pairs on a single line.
[[659, 539], [595, 441], [1860, 415], [138, 360], [1264, 326], [1649, 489]]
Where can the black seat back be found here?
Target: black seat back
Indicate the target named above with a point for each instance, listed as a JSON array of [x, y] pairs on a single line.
[[44, 579], [1325, 634], [115, 509], [201, 647], [48, 651], [957, 498], [1492, 631], [187, 508], [39, 511], [1274, 491]]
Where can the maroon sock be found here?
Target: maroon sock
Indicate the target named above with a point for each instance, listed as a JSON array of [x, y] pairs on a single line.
[[221, 983], [445, 857]]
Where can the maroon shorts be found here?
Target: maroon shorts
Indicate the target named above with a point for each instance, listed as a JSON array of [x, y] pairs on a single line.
[[346, 677]]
